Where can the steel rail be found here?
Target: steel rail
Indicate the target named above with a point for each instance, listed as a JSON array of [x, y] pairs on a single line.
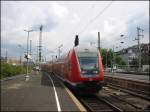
[[146, 97], [93, 103]]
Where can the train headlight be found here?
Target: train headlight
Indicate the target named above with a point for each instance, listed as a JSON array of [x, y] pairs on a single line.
[[83, 72], [95, 72]]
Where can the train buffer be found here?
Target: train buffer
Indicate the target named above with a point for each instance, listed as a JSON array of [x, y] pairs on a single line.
[[41, 92]]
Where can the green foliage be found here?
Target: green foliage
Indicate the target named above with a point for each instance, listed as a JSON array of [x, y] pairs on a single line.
[[8, 70], [109, 55], [119, 60]]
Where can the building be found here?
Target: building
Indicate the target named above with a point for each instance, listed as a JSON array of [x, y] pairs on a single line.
[[131, 55]]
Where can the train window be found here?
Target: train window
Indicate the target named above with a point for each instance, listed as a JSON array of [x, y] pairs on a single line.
[[88, 60]]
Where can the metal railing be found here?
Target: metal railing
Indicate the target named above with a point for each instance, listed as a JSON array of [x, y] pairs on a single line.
[[125, 68]]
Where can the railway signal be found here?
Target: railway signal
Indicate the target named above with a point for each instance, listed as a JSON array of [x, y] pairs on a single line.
[[76, 42]]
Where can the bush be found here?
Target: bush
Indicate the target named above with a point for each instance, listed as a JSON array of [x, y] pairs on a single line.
[[8, 70]]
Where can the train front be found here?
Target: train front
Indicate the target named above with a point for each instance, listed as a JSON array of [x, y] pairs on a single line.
[[90, 68]]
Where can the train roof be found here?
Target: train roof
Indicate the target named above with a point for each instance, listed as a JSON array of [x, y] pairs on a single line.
[[79, 48], [84, 48]]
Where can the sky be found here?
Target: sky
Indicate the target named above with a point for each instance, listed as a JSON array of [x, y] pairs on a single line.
[[62, 20]]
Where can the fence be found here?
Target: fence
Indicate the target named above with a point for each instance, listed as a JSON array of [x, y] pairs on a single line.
[[125, 68]]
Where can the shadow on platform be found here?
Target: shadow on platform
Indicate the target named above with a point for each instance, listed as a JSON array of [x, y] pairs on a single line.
[[45, 80]]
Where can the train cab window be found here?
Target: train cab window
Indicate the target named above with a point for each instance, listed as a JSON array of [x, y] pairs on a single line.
[[88, 62]]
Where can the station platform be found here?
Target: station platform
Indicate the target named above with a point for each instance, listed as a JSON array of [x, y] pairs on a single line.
[[42, 92], [134, 77]]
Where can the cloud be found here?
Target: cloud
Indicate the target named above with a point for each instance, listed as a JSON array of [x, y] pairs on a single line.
[[75, 19], [62, 20], [16, 18], [59, 10]]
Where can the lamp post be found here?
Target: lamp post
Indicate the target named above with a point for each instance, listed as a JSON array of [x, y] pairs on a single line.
[[27, 55], [127, 52], [114, 55]]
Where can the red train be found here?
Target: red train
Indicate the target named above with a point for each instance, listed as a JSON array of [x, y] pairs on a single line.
[[81, 68]]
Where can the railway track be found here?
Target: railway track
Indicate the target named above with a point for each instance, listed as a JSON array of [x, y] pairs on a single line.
[[110, 101], [143, 96], [130, 85], [93, 103], [127, 102]]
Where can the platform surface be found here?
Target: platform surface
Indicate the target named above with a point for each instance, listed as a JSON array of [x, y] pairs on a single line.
[[141, 78], [36, 94]]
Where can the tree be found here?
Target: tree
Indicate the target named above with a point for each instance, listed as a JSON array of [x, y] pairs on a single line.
[[119, 60], [110, 54]]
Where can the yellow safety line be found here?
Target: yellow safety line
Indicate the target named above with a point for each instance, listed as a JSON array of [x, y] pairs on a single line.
[[79, 105]]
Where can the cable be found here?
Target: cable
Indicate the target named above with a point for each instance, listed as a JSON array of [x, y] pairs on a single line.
[[88, 12], [92, 20], [89, 9]]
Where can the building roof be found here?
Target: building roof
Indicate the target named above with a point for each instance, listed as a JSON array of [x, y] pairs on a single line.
[[134, 48]]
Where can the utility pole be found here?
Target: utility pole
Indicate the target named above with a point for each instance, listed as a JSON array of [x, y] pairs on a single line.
[[139, 46], [30, 47], [30, 52], [20, 54], [106, 59], [37, 58], [27, 56], [113, 59], [99, 41], [6, 55], [20, 59]]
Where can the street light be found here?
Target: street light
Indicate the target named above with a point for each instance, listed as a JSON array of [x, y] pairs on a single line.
[[27, 56], [114, 60]]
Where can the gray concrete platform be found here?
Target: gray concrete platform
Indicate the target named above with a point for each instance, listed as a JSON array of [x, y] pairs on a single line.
[[36, 94], [134, 77]]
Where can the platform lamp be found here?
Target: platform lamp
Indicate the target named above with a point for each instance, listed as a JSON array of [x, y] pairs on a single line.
[[27, 55]]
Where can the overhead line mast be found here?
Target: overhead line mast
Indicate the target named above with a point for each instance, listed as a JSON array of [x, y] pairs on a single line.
[[139, 45], [40, 44]]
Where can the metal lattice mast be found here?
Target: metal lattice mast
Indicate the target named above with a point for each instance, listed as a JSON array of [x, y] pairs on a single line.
[[139, 45], [40, 44]]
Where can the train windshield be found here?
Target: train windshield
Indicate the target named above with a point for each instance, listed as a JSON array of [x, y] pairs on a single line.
[[88, 60]]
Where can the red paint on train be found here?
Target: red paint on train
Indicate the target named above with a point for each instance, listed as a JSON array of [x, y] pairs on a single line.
[[80, 71]]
